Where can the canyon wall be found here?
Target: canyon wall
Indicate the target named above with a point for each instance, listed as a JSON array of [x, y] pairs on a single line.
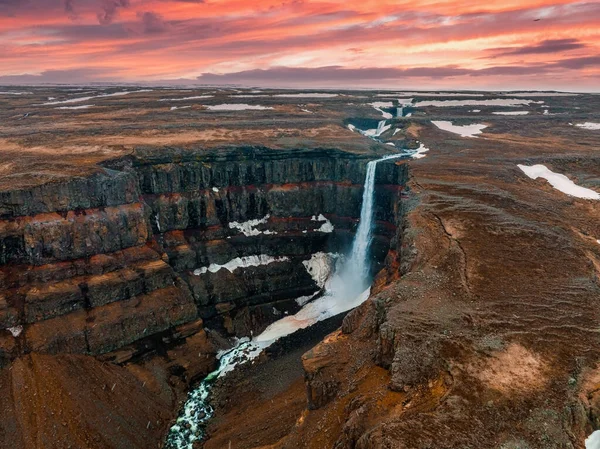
[[128, 259]]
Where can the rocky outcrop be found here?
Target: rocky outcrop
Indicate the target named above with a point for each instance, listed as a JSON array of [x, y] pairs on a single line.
[[118, 261]]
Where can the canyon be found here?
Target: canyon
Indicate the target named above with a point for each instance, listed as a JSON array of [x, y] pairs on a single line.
[[139, 242]]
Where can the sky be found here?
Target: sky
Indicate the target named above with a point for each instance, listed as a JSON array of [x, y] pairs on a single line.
[[408, 44]]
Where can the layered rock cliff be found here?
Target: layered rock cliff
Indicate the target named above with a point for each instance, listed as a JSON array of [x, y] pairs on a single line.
[[129, 259]]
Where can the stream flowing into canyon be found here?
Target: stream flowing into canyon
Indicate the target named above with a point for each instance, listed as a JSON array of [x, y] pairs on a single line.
[[347, 288]]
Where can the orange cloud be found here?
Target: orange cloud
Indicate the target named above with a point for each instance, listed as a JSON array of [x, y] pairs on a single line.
[[151, 40]]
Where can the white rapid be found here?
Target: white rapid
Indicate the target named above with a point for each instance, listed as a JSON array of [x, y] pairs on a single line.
[[347, 289]]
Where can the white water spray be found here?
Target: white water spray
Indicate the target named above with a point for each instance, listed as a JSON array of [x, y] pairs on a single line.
[[347, 290], [354, 277]]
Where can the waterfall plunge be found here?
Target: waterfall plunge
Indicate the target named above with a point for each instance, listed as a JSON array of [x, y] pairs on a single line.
[[354, 276]]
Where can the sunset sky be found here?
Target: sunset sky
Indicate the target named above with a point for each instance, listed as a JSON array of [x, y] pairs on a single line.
[[442, 44]]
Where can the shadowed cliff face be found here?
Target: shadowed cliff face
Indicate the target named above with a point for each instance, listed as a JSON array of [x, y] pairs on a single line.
[[95, 264]]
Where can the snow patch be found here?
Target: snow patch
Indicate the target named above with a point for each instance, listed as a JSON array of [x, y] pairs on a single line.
[[325, 227], [85, 106], [80, 99], [593, 441], [237, 107], [197, 97], [559, 182], [419, 153], [214, 189], [174, 108], [241, 262], [540, 94], [320, 266], [589, 125], [307, 95], [15, 330], [248, 228], [322, 308], [508, 102], [378, 105], [15, 93], [511, 112], [431, 94], [461, 130]]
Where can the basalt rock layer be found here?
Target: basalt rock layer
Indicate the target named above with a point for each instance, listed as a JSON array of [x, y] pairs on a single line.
[[119, 261]]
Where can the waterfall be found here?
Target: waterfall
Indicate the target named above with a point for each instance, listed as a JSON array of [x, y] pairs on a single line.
[[347, 290], [354, 277], [376, 132]]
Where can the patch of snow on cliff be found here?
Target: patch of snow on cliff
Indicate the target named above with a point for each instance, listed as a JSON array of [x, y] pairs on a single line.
[[85, 106], [461, 130], [305, 299], [320, 266], [559, 182], [378, 105], [241, 262], [593, 441], [174, 108], [322, 308], [15, 330], [248, 228], [511, 112], [214, 189], [237, 107], [325, 227], [508, 102], [589, 125], [476, 110], [419, 153]]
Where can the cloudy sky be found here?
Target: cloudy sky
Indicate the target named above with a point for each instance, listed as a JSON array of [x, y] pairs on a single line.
[[470, 44]]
